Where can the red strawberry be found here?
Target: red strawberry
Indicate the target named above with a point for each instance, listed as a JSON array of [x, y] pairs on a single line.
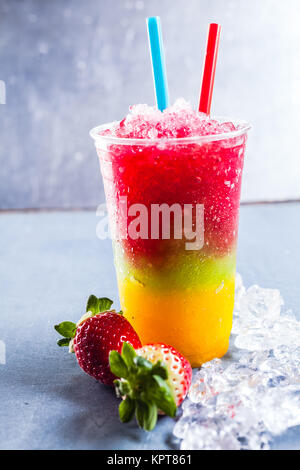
[[98, 332], [96, 337], [153, 378], [179, 368]]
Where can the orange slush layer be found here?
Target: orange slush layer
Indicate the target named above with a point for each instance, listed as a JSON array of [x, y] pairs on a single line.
[[196, 321]]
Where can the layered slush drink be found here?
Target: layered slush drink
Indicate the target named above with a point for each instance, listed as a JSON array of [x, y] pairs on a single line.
[[170, 290]]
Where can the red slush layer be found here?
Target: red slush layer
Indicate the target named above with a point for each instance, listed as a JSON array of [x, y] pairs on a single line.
[[185, 174], [169, 172]]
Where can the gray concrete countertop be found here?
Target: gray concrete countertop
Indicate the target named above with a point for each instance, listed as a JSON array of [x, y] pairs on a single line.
[[49, 263]]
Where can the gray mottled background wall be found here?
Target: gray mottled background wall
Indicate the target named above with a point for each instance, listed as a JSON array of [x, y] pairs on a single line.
[[71, 64]]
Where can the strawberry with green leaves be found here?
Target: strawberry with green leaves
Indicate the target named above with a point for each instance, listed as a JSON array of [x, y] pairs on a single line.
[[99, 331], [154, 378]]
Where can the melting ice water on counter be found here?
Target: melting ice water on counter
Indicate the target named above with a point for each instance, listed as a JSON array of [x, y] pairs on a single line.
[[253, 394]]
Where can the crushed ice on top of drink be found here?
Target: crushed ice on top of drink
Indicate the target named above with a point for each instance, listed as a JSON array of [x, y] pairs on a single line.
[[177, 121]]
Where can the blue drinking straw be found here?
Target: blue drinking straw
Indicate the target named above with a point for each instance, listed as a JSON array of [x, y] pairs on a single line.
[[158, 62]]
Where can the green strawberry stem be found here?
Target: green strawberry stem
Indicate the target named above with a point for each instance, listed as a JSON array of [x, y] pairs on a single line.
[[67, 329], [98, 305], [143, 387], [94, 306]]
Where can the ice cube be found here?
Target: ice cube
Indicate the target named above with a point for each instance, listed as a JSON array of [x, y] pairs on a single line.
[[240, 291], [262, 303]]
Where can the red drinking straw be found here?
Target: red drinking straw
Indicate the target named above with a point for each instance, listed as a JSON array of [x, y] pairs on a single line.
[[209, 68]]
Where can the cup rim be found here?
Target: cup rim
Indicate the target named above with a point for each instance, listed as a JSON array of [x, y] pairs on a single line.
[[243, 128]]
